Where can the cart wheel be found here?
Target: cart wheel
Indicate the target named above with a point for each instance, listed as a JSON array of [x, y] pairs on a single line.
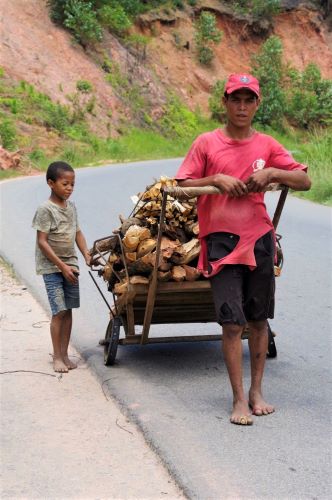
[[271, 348], [111, 341]]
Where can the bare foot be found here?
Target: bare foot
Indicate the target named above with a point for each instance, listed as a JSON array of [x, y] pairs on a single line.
[[59, 365], [69, 364], [241, 413], [258, 405]]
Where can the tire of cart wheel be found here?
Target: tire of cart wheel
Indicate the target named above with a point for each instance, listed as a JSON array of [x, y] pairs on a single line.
[[271, 348], [111, 341]]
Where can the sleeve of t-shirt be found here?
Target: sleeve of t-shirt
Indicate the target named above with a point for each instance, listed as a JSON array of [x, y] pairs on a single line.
[[193, 165], [281, 158], [42, 220], [76, 218]]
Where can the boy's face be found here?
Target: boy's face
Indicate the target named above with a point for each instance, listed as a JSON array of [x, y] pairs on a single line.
[[63, 187], [241, 107]]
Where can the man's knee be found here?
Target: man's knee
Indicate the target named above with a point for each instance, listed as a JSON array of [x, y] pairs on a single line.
[[232, 331], [258, 327]]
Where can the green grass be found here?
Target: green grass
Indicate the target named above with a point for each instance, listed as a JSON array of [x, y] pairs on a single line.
[[171, 137]]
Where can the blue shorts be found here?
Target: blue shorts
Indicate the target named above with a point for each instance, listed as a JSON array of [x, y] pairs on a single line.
[[62, 295]]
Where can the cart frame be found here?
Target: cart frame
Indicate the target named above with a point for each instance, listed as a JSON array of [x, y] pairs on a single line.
[[166, 302]]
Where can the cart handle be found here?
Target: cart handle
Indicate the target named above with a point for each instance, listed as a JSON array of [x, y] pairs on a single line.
[[192, 192]]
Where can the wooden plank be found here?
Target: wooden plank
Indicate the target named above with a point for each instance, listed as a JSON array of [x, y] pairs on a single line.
[[164, 340]]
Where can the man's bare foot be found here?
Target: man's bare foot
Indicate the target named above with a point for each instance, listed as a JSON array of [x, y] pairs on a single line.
[[59, 365], [258, 405], [241, 413], [69, 364]]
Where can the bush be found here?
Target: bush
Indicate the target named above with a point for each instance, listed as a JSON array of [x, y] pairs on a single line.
[[8, 135], [206, 34], [216, 106], [81, 19], [268, 68], [258, 8], [115, 18], [84, 86], [309, 98]]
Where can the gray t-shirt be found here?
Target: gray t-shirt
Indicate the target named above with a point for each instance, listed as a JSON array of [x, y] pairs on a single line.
[[61, 225]]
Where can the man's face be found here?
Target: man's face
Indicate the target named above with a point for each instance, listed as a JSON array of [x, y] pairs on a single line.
[[241, 107]]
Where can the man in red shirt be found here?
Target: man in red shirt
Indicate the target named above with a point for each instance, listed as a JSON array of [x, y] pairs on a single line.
[[236, 233]]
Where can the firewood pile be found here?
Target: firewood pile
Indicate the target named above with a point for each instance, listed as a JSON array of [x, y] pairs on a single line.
[[131, 250]]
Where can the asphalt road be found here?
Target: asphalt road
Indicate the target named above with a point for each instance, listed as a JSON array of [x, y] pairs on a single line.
[[179, 393]]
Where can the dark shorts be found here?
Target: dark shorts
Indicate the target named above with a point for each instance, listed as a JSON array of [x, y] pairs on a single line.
[[241, 295], [62, 295]]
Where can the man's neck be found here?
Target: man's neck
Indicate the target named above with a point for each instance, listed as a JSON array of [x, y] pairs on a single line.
[[238, 133]]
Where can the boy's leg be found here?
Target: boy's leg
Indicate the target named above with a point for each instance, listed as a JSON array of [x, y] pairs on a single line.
[[258, 344], [232, 351], [65, 338], [56, 335]]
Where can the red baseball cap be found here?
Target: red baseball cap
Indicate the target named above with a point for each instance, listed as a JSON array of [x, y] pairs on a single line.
[[242, 81]]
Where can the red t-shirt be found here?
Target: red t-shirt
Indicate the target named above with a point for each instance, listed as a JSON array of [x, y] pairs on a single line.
[[213, 153]]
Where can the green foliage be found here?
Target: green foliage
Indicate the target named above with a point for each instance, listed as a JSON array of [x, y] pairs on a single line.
[[84, 86], [258, 8], [309, 98], [115, 18], [206, 35], [178, 120], [268, 68], [8, 136], [81, 19], [216, 106]]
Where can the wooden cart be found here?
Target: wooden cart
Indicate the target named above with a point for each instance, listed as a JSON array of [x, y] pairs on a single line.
[[165, 302]]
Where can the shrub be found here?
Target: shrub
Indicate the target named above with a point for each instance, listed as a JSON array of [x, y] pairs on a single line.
[[206, 34], [309, 98], [215, 101], [81, 19], [115, 18], [8, 134], [258, 8], [84, 86], [268, 68]]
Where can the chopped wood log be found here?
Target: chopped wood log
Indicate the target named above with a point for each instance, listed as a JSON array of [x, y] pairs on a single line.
[[139, 280], [164, 276], [107, 272], [178, 273], [192, 274], [131, 256], [146, 246], [190, 251], [139, 267]]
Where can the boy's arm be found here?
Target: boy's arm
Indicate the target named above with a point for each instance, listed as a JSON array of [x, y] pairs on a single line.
[[81, 243], [227, 184], [47, 250]]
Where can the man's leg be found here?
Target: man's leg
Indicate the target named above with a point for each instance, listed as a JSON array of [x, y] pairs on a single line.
[[258, 343], [65, 338], [232, 351], [56, 335]]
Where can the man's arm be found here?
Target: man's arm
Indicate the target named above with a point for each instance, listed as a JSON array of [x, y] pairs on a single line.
[[227, 184], [81, 243], [47, 250], [298, 180]]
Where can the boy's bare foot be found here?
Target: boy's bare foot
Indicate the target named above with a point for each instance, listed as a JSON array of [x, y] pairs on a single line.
[[59, 366], [241, 413], [69, 364], [258, 405]]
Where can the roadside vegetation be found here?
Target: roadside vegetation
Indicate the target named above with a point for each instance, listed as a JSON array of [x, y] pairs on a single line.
[[296, 109]]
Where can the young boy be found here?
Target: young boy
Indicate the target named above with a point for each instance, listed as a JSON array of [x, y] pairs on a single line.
[[56, 260], [237, 238]]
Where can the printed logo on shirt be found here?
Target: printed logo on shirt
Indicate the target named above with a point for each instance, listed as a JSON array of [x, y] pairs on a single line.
[[258, 165]]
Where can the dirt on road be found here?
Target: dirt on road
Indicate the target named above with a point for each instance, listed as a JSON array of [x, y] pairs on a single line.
[[62, 436]]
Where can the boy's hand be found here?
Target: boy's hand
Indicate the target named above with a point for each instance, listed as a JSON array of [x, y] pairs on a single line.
[[70, 274], [87, 259], [232, 186], [258, 181]]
